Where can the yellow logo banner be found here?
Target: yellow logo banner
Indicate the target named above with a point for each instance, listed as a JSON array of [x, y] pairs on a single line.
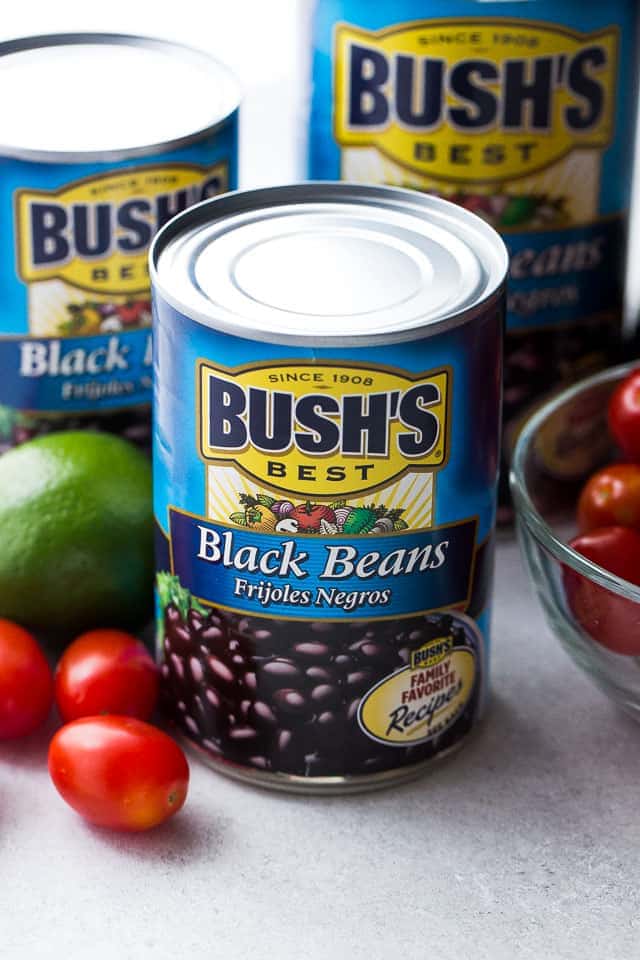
[[478, 100], [322, 429], [95, 233]]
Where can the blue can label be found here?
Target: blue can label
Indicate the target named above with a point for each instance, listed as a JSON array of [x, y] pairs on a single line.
[[521, 121], [324, 548], [527, 122], [75, 335]]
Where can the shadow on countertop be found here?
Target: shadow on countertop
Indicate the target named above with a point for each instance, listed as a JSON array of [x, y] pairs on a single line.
[[188, 837], [30, 753], [512, 763]]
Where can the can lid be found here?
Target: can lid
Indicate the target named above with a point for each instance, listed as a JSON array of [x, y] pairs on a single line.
[[70, 97], [329, 263]]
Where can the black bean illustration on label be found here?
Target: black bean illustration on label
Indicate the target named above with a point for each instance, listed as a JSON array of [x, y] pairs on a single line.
[[281, 696]]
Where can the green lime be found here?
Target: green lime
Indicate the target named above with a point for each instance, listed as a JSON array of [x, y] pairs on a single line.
[[76, 533]]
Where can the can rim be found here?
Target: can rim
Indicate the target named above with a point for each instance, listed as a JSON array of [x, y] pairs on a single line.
[[115, 154], [314, 192]]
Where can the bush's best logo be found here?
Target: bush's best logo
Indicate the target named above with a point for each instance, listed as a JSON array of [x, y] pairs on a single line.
[[323, 429], [95, 233], [454, 100]]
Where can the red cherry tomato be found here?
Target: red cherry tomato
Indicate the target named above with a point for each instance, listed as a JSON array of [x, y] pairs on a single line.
[[119, 772], [106, 671], [612, 620], [26, 684], [624, 416], [611, 498]]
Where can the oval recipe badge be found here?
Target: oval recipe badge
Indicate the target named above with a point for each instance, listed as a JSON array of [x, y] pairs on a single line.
[[423, 699]]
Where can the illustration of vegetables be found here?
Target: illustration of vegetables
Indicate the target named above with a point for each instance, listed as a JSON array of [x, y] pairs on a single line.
[[266, 514], [515, 211], [98, 317]]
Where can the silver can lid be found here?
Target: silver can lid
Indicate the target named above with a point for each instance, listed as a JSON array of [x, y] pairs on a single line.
[[328, 264], [96, 96]]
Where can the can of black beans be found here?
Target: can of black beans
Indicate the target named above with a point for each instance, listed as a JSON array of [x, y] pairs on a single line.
[[327, 363], [523, 112], [103, 138]]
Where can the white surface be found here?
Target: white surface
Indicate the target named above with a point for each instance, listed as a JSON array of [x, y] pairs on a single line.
[[523, 846], [183, 92]]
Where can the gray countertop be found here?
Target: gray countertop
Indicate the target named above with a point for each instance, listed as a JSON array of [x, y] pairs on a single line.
[[522, 845]]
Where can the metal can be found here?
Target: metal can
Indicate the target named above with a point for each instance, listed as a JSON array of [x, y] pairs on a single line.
[[103, 138], [327, 363], [524, 113]]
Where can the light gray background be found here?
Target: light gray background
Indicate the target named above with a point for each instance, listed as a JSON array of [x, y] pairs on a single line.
[[524, 846]]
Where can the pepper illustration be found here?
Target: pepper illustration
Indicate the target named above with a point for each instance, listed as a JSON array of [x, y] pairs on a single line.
[[83, 318], [257, 513], [91, 318]]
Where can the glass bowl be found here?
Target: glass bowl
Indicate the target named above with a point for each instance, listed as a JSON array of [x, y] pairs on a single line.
[[562, 443]]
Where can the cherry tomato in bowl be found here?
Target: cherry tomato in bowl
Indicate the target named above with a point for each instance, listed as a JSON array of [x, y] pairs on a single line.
[[624, 416], [119, 772], [611, 497], [26, 684], [106, 671], [610, 619]]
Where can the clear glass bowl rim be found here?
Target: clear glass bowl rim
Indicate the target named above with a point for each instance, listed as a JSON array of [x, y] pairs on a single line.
[[527, 512]]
